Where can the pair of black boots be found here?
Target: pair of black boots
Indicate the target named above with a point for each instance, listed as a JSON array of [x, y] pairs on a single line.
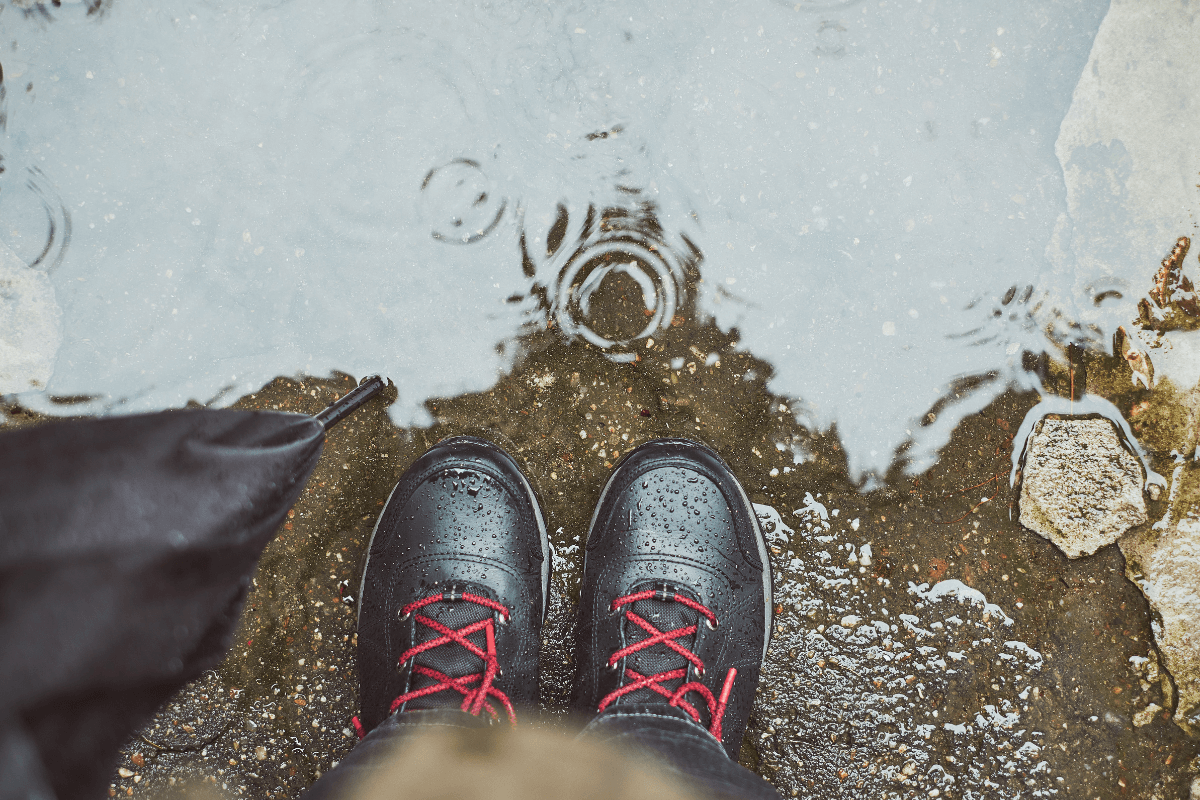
[[676, 594]]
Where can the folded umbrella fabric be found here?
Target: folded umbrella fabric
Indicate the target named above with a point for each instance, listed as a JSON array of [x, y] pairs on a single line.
[[127, 546]]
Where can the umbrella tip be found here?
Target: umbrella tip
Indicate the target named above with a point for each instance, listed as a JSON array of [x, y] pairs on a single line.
[[353, 399]]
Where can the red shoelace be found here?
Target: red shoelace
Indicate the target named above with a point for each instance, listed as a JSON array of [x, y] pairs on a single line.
[[475, 697], [716, 706]]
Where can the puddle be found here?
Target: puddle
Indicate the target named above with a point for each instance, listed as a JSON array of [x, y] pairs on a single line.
[[877, 196], [850, 244]]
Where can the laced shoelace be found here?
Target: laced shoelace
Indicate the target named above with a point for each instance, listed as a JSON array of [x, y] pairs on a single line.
[[716, 705], [475, 697]]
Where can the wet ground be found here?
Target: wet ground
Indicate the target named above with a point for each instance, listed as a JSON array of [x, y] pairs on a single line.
[[1023, 680]]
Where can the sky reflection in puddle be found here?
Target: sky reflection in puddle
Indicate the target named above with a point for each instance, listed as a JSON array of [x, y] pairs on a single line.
[[869, 191]]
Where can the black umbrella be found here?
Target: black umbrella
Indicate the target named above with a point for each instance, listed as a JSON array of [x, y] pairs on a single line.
[[127, 546]]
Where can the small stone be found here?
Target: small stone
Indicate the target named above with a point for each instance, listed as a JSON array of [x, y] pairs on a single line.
[[138, 759], [850, 621], [909, 767], [260, 753], [1081, 488], [1146, 715], [125, 772]]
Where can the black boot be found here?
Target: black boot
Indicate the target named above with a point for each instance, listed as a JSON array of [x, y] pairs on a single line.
[[455, 589], [676, 598]]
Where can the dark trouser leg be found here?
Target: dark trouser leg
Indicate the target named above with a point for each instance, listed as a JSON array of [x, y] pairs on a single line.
[[679, 745], [379, 747]]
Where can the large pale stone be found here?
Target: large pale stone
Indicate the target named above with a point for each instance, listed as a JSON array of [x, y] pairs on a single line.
[[1127, 141], [1080, 488], [1164, 561]]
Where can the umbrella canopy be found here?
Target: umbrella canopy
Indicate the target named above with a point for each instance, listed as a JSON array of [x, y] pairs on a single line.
[[127, 546]]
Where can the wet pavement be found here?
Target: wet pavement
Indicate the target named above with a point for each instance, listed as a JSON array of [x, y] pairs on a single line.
[[837, 241], [886, 675]]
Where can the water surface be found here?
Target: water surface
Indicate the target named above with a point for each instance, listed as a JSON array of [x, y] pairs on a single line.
[[869, 192]]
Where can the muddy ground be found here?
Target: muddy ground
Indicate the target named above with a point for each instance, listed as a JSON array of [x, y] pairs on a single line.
[[874, 686]]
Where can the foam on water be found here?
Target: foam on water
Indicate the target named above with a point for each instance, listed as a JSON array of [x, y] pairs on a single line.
[[877, 692]]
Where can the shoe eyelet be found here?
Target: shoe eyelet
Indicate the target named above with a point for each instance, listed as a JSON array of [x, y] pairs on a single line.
[[699, 671], [502, 619], [712, 626], [615, 666], [403, 616]]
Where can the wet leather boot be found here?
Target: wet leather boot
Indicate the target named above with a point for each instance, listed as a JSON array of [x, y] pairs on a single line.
[[676, 597], [455, 589]]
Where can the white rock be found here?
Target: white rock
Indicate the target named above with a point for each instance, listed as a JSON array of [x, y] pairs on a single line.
[[1080, 488], [1165, 565], [1144, 717], [30, 325]]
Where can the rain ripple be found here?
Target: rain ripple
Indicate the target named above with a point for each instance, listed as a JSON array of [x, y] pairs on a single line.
[[610, 278]]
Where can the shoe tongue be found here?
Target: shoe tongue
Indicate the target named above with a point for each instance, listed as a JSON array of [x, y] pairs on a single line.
[[666, 616], [450, 658]]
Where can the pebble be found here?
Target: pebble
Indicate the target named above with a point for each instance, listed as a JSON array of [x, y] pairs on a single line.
[[124, 772], [260, 753], [1146, 715]]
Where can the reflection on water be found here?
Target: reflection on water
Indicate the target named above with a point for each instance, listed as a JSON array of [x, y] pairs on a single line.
[[50, 11], [35, 229], [37, 225], [277, 189]]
